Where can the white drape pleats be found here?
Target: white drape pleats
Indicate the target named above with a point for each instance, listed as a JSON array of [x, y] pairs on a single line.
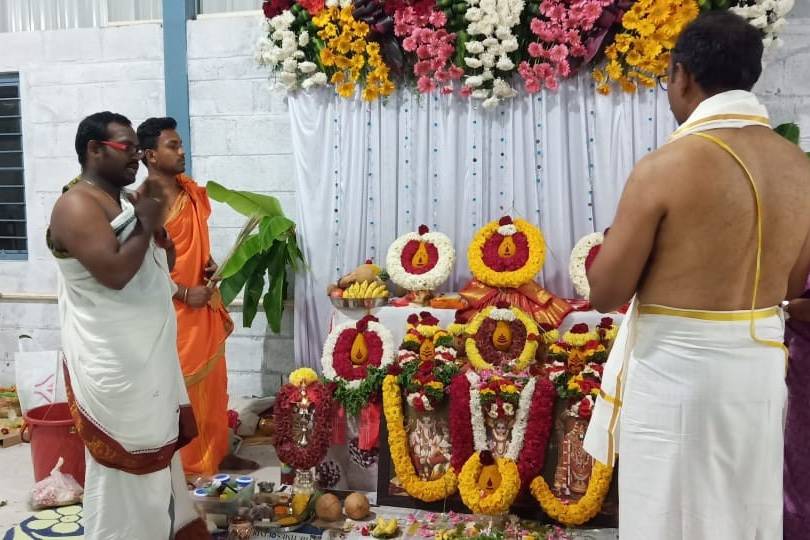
[[368, 173]]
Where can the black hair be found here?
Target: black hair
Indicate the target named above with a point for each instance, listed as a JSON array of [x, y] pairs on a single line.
[[722, 51], [149, 132], [94, 128]]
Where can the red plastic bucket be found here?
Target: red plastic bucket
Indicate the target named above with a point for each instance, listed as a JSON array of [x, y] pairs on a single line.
[[53, 435]]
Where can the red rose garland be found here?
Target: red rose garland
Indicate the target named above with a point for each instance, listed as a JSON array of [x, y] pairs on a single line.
[[409, 251], [535, 439], [461, 437], [287, 448]]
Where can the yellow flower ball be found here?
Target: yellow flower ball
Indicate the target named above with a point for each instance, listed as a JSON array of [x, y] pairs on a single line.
[[303, 376]]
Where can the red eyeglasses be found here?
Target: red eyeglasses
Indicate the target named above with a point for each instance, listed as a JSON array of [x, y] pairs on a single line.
[[124, 147]]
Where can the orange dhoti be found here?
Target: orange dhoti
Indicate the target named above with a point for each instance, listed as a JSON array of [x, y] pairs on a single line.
[[201, 333]]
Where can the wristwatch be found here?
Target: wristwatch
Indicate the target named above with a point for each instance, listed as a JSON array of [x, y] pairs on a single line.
[[785, 305]]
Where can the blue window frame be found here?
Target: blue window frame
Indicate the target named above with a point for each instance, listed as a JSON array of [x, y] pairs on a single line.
[[13, 235]]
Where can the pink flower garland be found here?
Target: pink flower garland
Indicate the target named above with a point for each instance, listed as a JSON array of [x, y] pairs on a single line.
[[560, 32], [425, 36]]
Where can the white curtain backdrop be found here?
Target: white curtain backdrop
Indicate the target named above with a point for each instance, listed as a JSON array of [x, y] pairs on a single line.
[[368, 173]]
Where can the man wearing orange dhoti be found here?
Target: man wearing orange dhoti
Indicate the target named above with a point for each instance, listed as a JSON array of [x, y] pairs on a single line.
[[203, 323]]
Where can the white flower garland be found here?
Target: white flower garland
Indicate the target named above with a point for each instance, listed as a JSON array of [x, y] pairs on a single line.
[[576, 266], [282, 48], [490, 29], [476, 416], [431, 279], [768, 16], [331, 341], [502, 314], [521, 420]]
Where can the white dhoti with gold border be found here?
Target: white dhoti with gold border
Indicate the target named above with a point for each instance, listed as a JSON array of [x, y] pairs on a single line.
[[701, 428]]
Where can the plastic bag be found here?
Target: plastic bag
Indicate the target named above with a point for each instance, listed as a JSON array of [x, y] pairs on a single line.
[[58, 489]]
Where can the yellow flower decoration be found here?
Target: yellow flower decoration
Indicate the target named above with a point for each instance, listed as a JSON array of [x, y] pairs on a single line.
[[551, 336], [515, 278], [527, 355], [497, 502], [350, 56], [640, 53], [582, 511], [579, 340], [303, 376], [424, 490]]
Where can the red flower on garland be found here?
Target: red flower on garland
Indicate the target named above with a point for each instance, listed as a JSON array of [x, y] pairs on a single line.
[[592, 253], [535, 441], [505, 264], [313, 7], [342, 357], [487, 349], [461, 437], [272, 8], [408, 253], [580, 328], [287, 447], [585, 409]]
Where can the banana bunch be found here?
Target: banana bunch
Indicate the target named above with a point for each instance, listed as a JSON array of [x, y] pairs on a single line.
[[366, 289], [385, 528]]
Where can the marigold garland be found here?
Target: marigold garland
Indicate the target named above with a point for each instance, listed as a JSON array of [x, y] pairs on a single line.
[[289, 450], [349, 57], [535, 246], [424, 490], [474, 349], [500, 500], [581, 511], [641, 52]]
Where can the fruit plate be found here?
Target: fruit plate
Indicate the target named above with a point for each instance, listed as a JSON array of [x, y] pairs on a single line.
[[358, 303]]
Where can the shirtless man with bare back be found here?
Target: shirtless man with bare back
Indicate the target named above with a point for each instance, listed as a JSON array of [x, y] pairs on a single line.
[[694, 393]]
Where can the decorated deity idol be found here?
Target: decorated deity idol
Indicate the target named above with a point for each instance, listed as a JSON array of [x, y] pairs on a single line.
[[504, 258]]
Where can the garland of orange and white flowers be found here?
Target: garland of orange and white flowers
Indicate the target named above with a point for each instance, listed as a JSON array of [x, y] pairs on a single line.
[[577, 266], [526, 356], [424, 490], [519, 230], [490, 29], [430, 277], [581, 511]]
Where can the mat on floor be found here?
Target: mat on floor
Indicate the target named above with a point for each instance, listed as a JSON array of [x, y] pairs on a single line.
[[64, 523]]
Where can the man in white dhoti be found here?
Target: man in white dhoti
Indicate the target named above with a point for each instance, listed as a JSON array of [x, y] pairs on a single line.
[[124, 383], [710, 236]]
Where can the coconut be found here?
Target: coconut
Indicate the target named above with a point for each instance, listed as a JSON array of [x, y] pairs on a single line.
[[356, 506], [327, 507]]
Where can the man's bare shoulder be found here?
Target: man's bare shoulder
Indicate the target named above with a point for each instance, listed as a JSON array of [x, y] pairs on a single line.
[[673, 161]]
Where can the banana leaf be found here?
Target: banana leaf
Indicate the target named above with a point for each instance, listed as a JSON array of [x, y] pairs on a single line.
[[259, 260]]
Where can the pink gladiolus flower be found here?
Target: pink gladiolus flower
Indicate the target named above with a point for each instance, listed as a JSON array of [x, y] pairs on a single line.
[[447, 89], [442, 76], [421, 69], [558, 53], [552, 83], [532, 85], [456, 73], [409, 44], [535, 50], [465, 91], [423, 52], [425, 85], [438, 18], [564, 69]]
